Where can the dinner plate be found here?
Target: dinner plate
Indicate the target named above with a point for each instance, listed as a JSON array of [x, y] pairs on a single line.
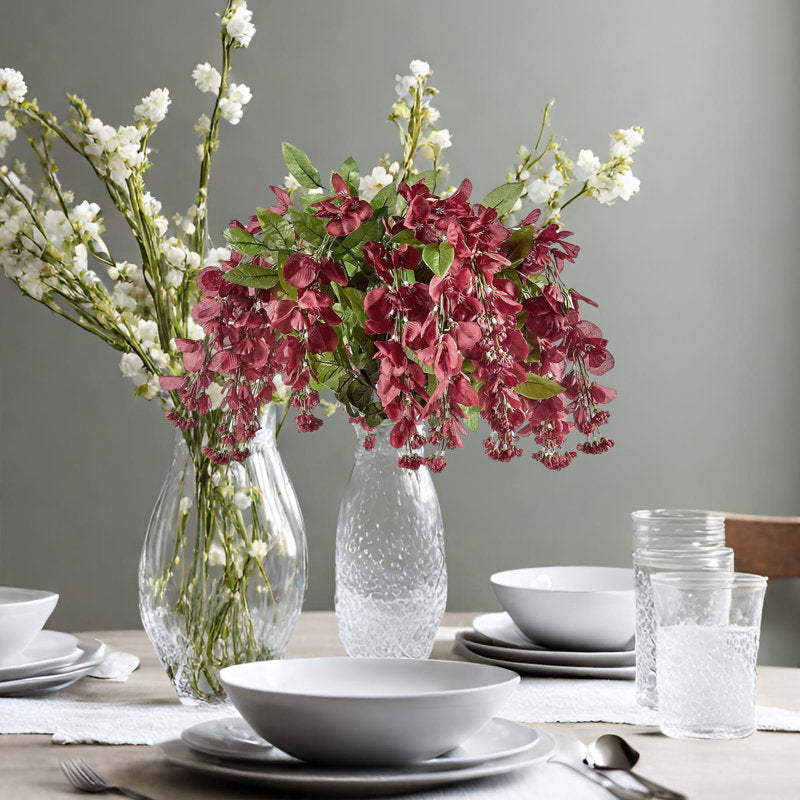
[[329, 781], [92, 653], [232, 738], [478, 643], [49, 649], [462, 648], [500, 628]]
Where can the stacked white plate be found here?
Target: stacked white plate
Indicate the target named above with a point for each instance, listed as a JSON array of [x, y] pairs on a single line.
[[495, 639], [50, 662], [229, 748]]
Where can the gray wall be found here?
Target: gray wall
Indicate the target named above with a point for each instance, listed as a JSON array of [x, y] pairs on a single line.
[[697, 277]]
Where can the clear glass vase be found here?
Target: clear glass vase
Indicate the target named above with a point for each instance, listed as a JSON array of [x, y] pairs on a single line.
[[223, 568], [391, 578]]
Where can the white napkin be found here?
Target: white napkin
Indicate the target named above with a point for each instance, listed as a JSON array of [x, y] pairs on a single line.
[[71, 720], [116, 666], [585, 700]]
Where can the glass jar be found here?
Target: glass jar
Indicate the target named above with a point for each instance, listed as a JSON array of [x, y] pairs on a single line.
[[645, 564], [391, 578], [658, 528]]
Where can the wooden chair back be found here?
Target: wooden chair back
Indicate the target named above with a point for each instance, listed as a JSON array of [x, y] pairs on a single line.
[[764, 545]]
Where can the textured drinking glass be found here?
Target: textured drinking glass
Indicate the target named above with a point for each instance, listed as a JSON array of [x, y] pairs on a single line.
[[647, 563], [391, 581], [658, 528], [707, 634]]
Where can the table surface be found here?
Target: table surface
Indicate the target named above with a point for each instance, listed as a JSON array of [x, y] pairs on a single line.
[[765, 766]]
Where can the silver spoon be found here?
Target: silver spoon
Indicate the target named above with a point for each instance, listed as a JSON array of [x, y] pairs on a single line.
[[613, 752]]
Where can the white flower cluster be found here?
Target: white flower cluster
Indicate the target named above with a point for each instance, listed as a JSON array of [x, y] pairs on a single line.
[[179, 259], [206, 78], [153, 108], [238, 25], [370, 185], [12, 86], [8, 132], [231, 106], [614, 179], [545, 182], [116, 152], [22, 266], [412, 91]]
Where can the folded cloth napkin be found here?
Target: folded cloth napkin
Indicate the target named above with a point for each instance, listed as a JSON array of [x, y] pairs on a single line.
[[116, 666]]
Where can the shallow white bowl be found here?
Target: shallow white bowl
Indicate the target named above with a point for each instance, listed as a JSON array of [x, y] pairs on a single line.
[[366, 711], [571, 608], [23, 613]]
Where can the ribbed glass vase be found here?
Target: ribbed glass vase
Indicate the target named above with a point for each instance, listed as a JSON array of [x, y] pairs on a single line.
[[391, 578], [223, 568]]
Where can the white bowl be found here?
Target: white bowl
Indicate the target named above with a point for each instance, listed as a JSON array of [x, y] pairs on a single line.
[[366, 711], [23, 613], [571, 608]]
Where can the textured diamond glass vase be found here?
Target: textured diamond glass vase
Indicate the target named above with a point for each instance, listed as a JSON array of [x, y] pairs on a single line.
[[391, 579], [223, 569]]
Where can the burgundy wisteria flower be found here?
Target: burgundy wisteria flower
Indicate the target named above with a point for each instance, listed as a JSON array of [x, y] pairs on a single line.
[[419, 310]]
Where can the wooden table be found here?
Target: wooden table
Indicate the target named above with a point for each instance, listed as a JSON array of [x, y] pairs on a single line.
[[765, 766]]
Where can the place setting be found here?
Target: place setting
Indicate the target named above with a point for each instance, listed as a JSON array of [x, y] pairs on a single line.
[[559, 622], [37, 661], [361, 726]]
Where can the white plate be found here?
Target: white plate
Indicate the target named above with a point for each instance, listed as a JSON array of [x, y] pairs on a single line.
[[92, 653], [328, 782], [480, 644], [462, 648], [229, 738], [232, 738], [500, 628], [49, 649]]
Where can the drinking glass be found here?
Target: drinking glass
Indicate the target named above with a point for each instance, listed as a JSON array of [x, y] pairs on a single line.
[[654, 529], [707, 636], [647, 563]]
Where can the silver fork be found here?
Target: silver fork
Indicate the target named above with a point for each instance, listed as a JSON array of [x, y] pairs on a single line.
[[82, 775]]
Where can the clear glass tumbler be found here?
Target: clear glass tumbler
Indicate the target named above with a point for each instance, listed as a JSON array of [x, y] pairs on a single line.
[[707, 636], [647, 563], [654, 529]]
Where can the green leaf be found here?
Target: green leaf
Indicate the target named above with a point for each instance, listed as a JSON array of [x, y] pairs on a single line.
[[386, 199], [242, 241], [307, 226], [519, 245], [368, 231], [252, 276], [375, 419], [473, 417], [329, 374], [307, 200], [538, 388], [358, 394], [289, 290], [301, 167], [538, 280], [361, 360], [406, 237], [278, 233], [429, 176], [349, 172], [439, 257], [503, 198], [354, 298]]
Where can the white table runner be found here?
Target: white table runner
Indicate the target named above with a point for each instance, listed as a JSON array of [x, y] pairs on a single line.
[[70, 719]]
